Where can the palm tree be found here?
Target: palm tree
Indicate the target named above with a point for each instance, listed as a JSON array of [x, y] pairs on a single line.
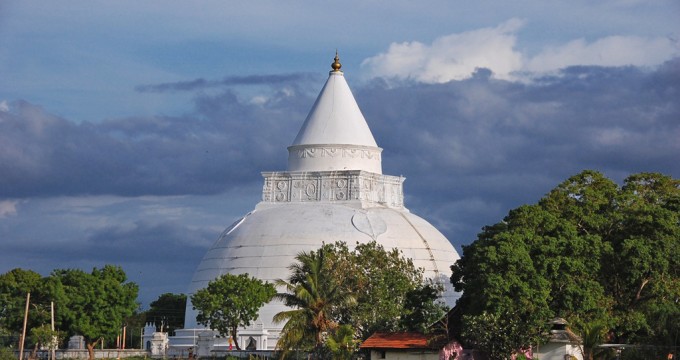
[[592, 335], [312, 293], [341, 343]]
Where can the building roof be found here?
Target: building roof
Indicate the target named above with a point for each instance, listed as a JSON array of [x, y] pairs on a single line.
[[402, 340]]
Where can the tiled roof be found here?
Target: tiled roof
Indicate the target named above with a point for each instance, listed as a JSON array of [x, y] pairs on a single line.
[[404, 340]]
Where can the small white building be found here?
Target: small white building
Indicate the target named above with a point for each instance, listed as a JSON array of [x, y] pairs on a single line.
[[155, 342], [413, 346], [562, 345], [400, 346]]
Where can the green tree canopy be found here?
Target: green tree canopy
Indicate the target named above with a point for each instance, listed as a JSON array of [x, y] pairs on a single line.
[[391, 293], [341, 344], [231, 301], [422, 308], [169, 309], [589, 251], [94, 304], [14, 285], [367, 288], [313, 294]]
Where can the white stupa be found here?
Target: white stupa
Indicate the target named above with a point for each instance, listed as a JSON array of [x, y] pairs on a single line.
[[333, 190]]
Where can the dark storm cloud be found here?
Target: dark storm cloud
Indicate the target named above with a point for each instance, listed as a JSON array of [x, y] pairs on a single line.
[[136, 242], [198, 84], [224, 142], [471, 150], [127, 243], [161, 256]]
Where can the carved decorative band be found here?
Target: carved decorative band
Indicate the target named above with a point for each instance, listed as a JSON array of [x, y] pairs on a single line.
[[334, 186], [311, 151]]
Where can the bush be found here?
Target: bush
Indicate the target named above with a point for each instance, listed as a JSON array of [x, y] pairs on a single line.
[[7, 354]]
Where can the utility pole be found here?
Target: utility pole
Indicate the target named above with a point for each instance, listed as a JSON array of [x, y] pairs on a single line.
[[53, 344], [23, 333]]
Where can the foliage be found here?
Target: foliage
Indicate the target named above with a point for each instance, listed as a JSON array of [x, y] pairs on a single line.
[[231, 301], [592, 334], [14, 285], [169, 309], [590, 252], [341, 343], [7, 354], [498, 334], [44, 336], [368, 288], [391, 293], [134, 325], [646, 260], [166, 313], [94, 304], [422, 307], [313, 294]]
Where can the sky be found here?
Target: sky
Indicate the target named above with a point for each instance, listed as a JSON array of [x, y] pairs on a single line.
[[134, 132]]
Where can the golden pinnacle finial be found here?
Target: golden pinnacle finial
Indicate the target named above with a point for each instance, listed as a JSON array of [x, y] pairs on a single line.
[[336, 64]]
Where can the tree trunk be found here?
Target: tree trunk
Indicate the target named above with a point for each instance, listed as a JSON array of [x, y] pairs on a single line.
[[90, 348], [233, 337], [34, 353]]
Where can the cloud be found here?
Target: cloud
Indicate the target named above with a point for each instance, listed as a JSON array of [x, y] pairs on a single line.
[[458, 56], [198, 84], [615, 118], [124, 243], [157, 240], [608, 51], [508, 143], [204, 152], [152, 193], [158, 255], [8, 208], [451, 57]]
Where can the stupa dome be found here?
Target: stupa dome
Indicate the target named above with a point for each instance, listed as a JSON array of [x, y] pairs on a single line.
[[265, 242], [333, 190]]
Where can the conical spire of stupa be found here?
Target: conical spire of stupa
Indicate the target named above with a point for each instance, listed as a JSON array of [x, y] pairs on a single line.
[[335, 135]]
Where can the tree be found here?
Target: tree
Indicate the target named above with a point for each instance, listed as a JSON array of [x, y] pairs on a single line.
[[14, 285], [169, 309], [592, 334], [589, 251], [6, 354], [341, 343], [231, 301], [643, 273], [313, 294], [422, 308], [43, 336], [368, 288], [497, 334], [501, 284], [391, 293], [94, 304]]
